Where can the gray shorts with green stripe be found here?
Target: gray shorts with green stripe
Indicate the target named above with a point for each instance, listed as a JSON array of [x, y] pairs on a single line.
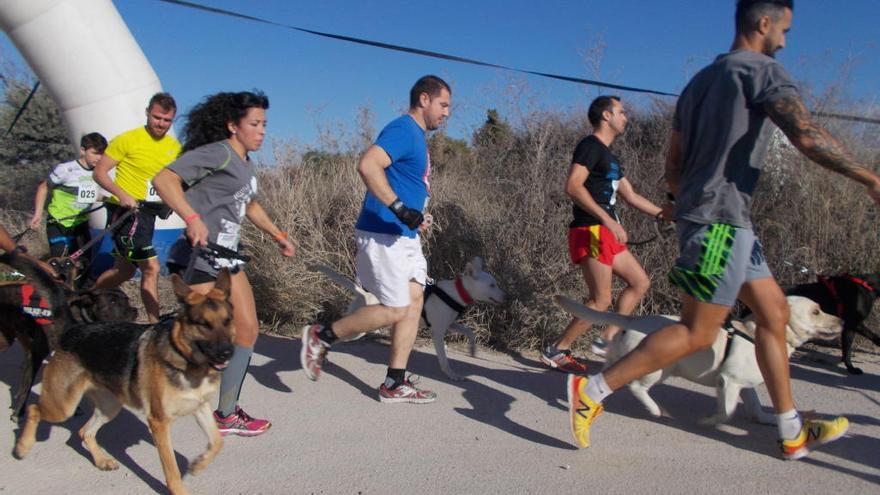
[[715, 261]]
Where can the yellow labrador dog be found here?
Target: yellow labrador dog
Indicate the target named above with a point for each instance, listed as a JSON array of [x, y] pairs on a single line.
[[729, 364]]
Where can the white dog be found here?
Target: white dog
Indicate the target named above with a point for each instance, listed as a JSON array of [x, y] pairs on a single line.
[[729, 364], [444, 301]]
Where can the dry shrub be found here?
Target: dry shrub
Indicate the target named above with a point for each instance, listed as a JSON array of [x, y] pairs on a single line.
[[501, 198]]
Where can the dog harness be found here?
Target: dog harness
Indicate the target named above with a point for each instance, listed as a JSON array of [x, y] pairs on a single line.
[[35, 306], [730, 336], [432, 289], [832, 288]]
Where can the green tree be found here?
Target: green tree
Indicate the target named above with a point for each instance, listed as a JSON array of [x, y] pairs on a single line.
[[495, 130]]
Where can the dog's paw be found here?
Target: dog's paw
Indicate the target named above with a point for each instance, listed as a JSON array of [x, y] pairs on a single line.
[[106, 464], [198, 465], [714, 420], [852, 370], [455, 377], [20, 452]]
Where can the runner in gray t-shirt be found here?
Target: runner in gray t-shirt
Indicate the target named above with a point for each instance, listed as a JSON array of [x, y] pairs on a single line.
[[222, 200], [220, 187], [715, 156]]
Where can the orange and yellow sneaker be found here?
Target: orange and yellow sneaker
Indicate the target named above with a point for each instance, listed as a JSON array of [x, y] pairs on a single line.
[[581, 409], [813, 433]]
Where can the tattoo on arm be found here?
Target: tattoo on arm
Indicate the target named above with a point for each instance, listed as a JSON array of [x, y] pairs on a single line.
[[792, 116]]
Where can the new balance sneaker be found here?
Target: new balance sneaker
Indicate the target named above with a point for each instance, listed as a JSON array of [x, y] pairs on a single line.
[[599, 346], [313, 351], [562, 361], [581, 409], [241, 423], [406, 392], [813, 433]]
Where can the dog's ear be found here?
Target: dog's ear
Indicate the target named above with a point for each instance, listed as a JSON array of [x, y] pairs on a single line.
[[180, 288], [223, 283], [477, 264]]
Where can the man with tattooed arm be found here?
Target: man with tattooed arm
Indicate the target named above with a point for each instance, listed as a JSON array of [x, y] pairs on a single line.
[[720, 133]]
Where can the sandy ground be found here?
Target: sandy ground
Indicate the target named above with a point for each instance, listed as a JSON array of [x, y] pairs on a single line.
[[503, 430]]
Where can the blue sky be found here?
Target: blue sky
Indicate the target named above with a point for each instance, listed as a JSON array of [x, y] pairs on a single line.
[[315, 82]]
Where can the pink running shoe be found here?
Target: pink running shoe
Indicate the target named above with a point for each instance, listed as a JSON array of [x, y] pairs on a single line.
[[406, 392], [313, 351], [241, 423]]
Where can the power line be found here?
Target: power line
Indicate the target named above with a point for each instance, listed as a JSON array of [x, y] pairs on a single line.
[[415, 51], [456, 58]]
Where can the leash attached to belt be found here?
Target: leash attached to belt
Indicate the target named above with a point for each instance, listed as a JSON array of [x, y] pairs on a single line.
[[210, 250]]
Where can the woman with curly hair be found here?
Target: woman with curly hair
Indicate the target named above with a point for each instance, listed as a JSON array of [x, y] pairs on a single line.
[[212, 186]]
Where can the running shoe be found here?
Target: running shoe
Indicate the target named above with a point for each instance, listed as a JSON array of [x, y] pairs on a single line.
[[813, 433], [406, 392], [562, 361], [313, 351], [241, 423], [599, 346], [581, 409]]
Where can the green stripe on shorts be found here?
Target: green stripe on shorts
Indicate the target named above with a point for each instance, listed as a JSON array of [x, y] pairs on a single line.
[[717, 248]]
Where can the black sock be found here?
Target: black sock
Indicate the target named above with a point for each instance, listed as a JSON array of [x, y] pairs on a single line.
[[327, 336], [396, 376]]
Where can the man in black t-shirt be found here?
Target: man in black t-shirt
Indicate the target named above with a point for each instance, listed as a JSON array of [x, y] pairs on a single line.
[[596, 240]]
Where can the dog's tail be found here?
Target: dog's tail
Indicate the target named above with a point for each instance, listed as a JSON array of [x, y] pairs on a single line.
[[644, 324], [591, 315], [43, 283], [338, 278]]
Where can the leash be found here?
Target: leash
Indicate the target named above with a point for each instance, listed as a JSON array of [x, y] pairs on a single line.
[[82, 213], [110, 228], [662, 230], [52, 220], [209, 252]]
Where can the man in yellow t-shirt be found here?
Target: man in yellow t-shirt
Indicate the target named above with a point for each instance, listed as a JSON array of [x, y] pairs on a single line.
[[137, 155]]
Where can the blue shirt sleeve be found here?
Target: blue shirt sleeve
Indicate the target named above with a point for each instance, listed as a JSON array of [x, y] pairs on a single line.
[[397, 142]]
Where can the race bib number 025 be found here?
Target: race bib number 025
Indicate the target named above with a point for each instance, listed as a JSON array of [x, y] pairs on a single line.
[[87, 193]]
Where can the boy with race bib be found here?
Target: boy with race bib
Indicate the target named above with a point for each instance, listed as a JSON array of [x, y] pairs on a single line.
[[73, 192]]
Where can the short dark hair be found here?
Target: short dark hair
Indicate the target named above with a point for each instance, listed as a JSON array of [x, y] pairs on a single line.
[[432, 85], [749, 12], [164, 100], [95, 141], [599, 106]]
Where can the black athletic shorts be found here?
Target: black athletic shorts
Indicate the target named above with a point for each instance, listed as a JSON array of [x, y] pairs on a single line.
[[69, 238], [133, 239]]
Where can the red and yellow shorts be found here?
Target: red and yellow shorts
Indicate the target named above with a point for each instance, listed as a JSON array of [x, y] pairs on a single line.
[[595, 241]]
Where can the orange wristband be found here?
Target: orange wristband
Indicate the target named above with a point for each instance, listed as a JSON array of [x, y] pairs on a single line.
[[279, 236], [190, 218]]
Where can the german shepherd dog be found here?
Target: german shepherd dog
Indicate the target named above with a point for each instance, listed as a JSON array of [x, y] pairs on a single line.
[[168, 369], [25, 315], [849, 297]]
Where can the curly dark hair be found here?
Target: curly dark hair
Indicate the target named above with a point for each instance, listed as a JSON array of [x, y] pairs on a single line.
[[207, 121]]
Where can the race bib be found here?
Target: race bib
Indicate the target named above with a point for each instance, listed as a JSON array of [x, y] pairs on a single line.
[[87, 193], [152, 195], [228, 240]]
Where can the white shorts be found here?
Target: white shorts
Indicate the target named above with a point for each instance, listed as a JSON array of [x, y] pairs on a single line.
[[386, 263]]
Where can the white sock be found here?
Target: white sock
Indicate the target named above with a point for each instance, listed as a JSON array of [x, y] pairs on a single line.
[[789, 424], [597, 390]]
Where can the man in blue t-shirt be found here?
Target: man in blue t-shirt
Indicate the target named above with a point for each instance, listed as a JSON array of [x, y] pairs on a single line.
[[390, 263], [720, 132]]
